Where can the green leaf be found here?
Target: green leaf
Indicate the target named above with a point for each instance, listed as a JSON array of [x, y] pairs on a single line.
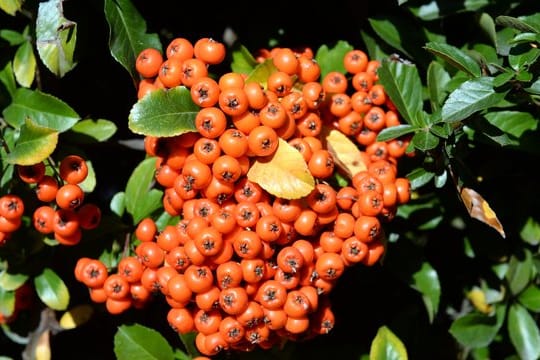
[[419, 177], [372, 46], [514, 123], [10, 281], [56, 38], [395, 132], [141, 200], [164, 113], [24, 64], [99, 130], [261, 73], [11, 6], [520, 272], [118, 203], [472, 96], [523, 56], [530, 298], [34, 145], [455, 57], [426, 281], [7, 301], [14, 38], [530, 232], [243, 61], [388, 31], [402, 83], [534, 88], [424, 140], [477, 330], [437, 81], [332, 59], [128, 35], [387, 346], [137, 342], [44, 109], [7, 78], [515, 23], [89, 183], [524, 333], [52, 290], [439, 9], [488, 25]]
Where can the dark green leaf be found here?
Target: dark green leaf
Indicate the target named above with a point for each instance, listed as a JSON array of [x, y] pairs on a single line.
[[402, 84], [515, 23], [387, 346], [426, 281], [472, 96], [243, 61], [488, 25], [24, 64], [425, 140], [530, 298], [140, 199], [520, 61], [524, 333], [189, 343], [440, 9], [34, 145], [52, 290], [389, 32], [99, 130], [520, 272], [13, 37], [419, 177], [45, 110], [503, 78], [137, 342], [477, 330], [164, 112], [128, 35], [530, 232], [373, 48], [332, 59], [442, 130], [56, 38], [437, 81], [514, 123], [456, 57], [395, 131]]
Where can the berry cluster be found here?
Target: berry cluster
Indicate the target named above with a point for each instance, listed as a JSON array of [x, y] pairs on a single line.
[[243, 267]]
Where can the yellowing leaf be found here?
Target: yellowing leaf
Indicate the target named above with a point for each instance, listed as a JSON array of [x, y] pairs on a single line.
[[347, 156], [35, 144], [76, 316], [478, 298], [479, 209], [285, 174]]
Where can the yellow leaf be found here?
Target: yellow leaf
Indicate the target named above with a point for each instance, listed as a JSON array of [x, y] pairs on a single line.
[[478, 298], [347, 156], [76, 316], [285, 174], [479, 209]]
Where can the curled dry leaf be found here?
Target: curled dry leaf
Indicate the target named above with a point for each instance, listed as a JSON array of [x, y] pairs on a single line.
[[479, 209], [347, 156], [285, 174]]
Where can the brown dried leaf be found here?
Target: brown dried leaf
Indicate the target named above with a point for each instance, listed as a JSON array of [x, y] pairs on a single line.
[[347, 156], [479, 209]]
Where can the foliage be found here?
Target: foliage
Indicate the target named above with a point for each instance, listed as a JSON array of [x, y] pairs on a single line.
[[460, 278]]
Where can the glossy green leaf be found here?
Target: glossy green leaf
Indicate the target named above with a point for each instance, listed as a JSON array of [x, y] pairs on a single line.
[[140, 198], [534, 88], [261, 73], [523, 57], [478, 330], [164, 113], [514, 123], [7, 78], [45, 110], [13, 37], [52, 290], [373, 48], [137, 342], [127, 35], [503, 78], [530, 298], [524, 332], [99, 130], [10, 281], [454, 56], [426, 281], [56, 38], [7, 301], [243, 61], [425, 140], [34, 145], [332, 59], [419, 177], [472, 96], [188, 340], [402, 83], [118, 203], [520, 272], [530, 232], [437, 81], [24, 64], [389, 32], [387, 346], [515, 23], [11, 6], [395, 131], [89, 183]]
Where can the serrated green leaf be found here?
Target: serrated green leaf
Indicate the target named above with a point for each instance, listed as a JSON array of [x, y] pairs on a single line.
[[402, 83], [514, 123], [243, 61], [44, 109], [56, 38], [52, 290], [137, 342], [437, 81], [164, 112], [477, 330], [11, 6], [387, 346], [13, 37], [530, 298], [425, 140], [524, 333], [395, 131], [455, 57], [426, 281], [472, 96], [34, 145], [128, 36], [332, 59], [24, 64], [10, 281], [99, 130], [520, 272], [530, 232]]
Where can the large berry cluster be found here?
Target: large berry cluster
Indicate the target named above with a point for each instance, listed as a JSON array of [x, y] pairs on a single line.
[[244, 267]]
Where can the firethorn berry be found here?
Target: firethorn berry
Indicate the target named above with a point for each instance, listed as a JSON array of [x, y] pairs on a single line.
[[205, 92], [334, 82], [89, 216], [46, 188], [263, 141], [192, 70], [170, 72], [11, 206], [31, 174], [148, 62], [285, 60], [355, 61], [73, 169], [180, 48], [209, 51], [69, 196]]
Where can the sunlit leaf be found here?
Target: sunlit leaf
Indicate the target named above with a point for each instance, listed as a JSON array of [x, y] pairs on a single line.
[[373, 47], [164, 113], [118, 203], [11, 6], [530, 232], [137, 342], [476, 330], [128, 37], [89, 183], [284, 174], [479, 209], [332, 59], [99, 130], [514, 123], [387, 346], [52, 290], [10, 281], [261, 72], [140, 198], [35, 144], [76, 316], [243, 61], [393, 132], [24, 64], [426, 281], [56, 37], [454, 56], [347, 156], [524, 332], [419, 177]]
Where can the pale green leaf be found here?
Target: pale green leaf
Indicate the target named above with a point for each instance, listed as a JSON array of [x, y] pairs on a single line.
[[118, 203], [24, 64], [387, 346], [524, 333], [11, 6], [7, 301], [332, 59], [530, 232], [98, 130], [140, 199], [514, 123], [52, 290], [7, 78], [10, 281], [243, 61], [137, 342], [426, 281]]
